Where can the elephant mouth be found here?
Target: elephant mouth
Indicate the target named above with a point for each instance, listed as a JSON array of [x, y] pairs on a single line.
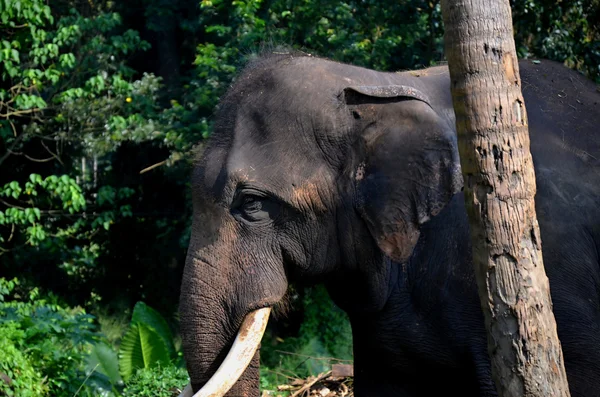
[[239, 357]]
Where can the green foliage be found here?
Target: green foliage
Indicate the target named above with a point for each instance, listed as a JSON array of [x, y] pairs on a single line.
[[144, 314], [64, 80], [141, 347], [103, 366], [70, 106], [62, 189], [51, 350], [158, 381], [46, 343], [567, 31], [25, 379], [113, 326], [147, 343]]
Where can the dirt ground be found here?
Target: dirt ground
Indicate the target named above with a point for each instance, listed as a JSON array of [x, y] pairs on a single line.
[[334, 383]]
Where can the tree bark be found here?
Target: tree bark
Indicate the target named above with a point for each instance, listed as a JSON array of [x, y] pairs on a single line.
[[499, 187]]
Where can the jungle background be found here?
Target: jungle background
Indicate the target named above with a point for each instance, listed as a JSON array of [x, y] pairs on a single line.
[[101, 106]]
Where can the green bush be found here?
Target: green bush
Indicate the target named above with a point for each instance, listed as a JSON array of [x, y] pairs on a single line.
[[25, 380], [158, 381], [46, 344]]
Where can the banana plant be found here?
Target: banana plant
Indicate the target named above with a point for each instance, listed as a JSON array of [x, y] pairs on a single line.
[[103, 369], [147, 342]]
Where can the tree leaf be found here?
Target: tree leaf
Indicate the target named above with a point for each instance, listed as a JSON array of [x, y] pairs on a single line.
[[106, 362], [140, 347], [146, 315]]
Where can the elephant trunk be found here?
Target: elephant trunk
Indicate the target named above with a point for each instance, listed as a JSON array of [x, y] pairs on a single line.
[[209, 327], [242, 359]]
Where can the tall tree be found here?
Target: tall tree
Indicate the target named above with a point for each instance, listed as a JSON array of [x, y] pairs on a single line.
[[499, 187]]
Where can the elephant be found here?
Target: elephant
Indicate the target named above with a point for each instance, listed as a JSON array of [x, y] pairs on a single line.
[[325, 172]]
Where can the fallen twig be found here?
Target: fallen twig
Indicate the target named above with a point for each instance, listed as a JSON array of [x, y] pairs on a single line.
[[309, 384]]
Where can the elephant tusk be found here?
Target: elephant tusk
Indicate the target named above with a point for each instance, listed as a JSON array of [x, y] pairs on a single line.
[[187, 392], [237, 360]]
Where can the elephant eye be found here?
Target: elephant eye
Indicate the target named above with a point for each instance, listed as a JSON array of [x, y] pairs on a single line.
[[254, 207], [252, 204]]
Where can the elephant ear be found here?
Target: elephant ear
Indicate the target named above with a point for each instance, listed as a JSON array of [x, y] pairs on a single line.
[[405, 166]]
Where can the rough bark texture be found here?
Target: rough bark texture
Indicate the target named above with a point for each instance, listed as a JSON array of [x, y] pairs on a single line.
[[499, 186]]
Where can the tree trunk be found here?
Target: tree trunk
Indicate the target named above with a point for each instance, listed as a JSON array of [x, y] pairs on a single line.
[[499, 187]]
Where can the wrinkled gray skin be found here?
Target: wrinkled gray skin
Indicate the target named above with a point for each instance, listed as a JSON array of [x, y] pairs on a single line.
[[307, 179]]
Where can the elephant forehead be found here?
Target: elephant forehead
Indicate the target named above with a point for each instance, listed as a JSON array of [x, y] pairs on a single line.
[[305, 185], [279, 160]]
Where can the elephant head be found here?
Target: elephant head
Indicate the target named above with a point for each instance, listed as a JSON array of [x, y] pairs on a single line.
[[315, 171]]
